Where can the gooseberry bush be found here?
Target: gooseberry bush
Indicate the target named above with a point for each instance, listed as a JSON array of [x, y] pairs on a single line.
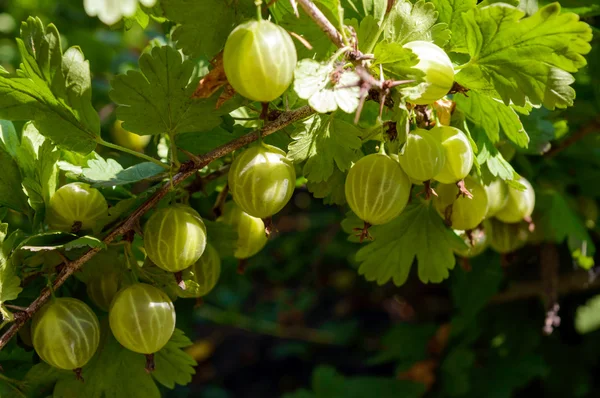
[[437, 127]]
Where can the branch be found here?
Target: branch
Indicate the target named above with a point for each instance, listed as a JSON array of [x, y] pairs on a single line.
[[320, 19], [584, 131], [186, 170]]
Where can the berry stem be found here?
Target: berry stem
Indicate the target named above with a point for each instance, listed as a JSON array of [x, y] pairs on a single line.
[[258, 9], [150, 365]]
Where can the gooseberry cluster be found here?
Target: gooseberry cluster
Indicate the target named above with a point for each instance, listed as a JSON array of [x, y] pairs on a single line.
[[261, 181]]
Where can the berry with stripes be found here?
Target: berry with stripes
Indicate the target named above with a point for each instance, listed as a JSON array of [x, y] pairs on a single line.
[[377, 190], [259, 60], [519, 205], [204, 274], [458, 151], [103, 288], [142, 318], [497, 193], [438, 70], [423, 156], [175, 237], [262, 180], [251, 230], [506, 238], [65, 333], [76, 207], [462, 212]]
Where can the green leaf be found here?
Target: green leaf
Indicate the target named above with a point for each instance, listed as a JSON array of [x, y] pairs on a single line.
[[559, 222], [174, 366], [491, 114], [48, 241], [325, 142], [450, 13], [525, 59], [11, 193], [205, 25], [330, 190], [51, 89], [419, 232], [397, 61], [315, 82], [587, 317], [408, 22], [10, 284], [491, 160], [455, 371], [108, 173], [8, 137], [157, 99], [37, 157]]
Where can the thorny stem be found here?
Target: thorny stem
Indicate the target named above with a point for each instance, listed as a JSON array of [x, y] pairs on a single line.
[[132, 152], [186, 170], [320, 19]]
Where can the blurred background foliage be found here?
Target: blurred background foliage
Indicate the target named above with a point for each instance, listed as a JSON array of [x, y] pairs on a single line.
[[302, 322]]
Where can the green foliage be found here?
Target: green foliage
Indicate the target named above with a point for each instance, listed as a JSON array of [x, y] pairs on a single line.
[[307, 295]]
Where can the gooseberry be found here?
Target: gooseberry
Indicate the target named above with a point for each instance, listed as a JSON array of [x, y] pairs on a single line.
[[439, 73], [128, 139], [463, 212], [497, 193], [204, 273], [76, 206], [377, 189], [251, 230], [520, 204], [458, 151], [142, 318], [175, 237], [102, 289], [259, 60], [262, 180], [423, 156], [506, 238], [477, 241], [65, 333]]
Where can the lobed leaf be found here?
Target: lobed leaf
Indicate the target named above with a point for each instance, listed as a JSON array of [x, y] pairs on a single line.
[[409, 22], [525, 59]]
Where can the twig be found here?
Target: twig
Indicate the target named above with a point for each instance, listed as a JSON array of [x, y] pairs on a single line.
[[584, 131], [320, 19], [186, 170], [571, 283], [249, 324]]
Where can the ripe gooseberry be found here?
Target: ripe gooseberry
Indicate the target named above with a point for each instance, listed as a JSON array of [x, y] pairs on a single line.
[[251, 230], [76, 206], [175, 237], [142, 318], [377, 189], [65, 333], [462, 212], [204, 273], [128, 139], [497, 193], [458, 151], [423, 156], [102, 289], [520, 204], [262, 180], [506, 238], [259, 60], [439, 73]]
